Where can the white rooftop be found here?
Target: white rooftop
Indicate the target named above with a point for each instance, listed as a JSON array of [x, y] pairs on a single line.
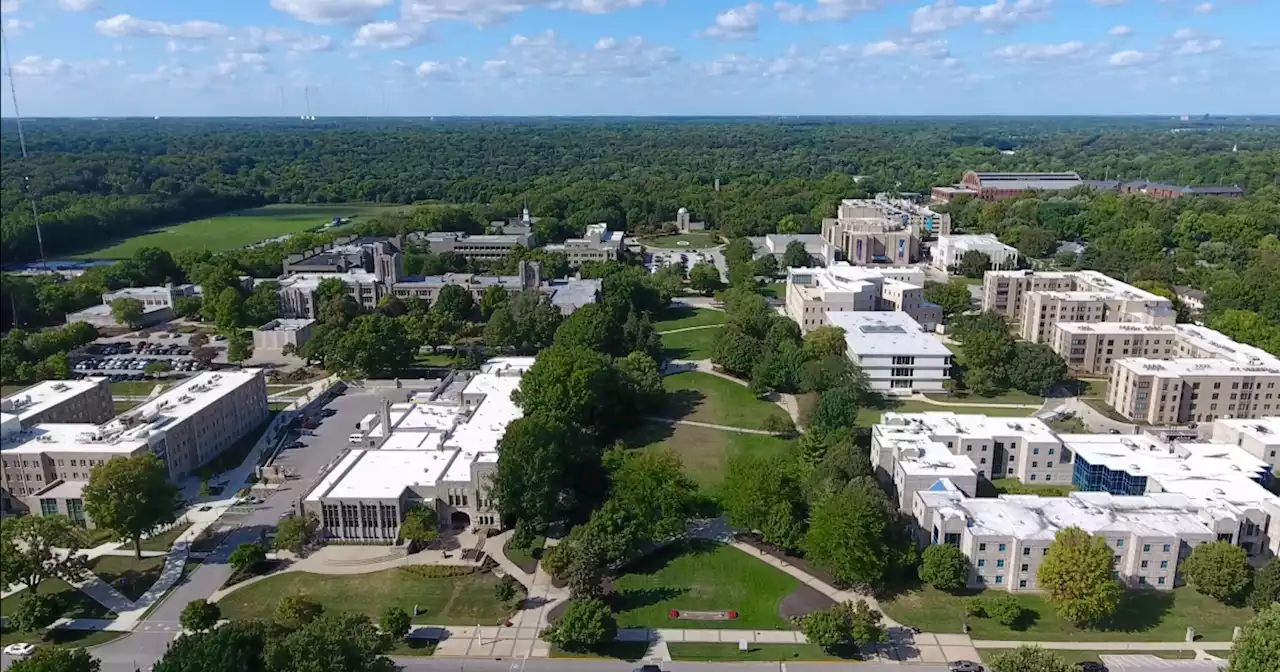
[[71, 438], [923, 457], [1263, 430], [310, 281], [1178, 368], [1087, 281], [384, 474], [946, 423], [885, 333], [286, 324], [185, 399], [45, 395], [843, 277], [976, 241], [1032, 517]]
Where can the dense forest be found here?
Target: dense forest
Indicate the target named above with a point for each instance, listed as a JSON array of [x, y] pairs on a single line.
[[96, 180]]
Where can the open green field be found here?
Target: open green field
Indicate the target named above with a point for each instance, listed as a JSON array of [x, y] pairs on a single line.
[[683, 241], [704, 397], [701, 576], [683, 317], [760, 653], [704, 451], [456, 600], [694, 344], [1092, 387], [1144, 616], [1100, 405], [237, 229], [1071, 656]]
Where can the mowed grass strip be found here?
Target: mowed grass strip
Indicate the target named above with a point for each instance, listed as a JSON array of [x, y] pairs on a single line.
[[704, 451], [457, 600], [1072, 656], [724, 652], [700, 575], [234, 230], [1144, 616], [703, 397], [683, 317], [694, 344]]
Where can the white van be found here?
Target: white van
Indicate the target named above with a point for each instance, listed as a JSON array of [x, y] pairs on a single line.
[[356, 438]]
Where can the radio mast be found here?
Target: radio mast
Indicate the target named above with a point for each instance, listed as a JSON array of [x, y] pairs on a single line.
[[22, 142]]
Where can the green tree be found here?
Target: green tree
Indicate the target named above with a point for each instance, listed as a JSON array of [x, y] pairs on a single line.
[[1035, 368], [973, 264], [239, 347], [1005, 610], [421, 525], [585, 625], [736, 351], [642, 379], [652, 488], [247, 557], [847, 535], [953, 296], [1266, 586], [334, 642], [131, 496], [1028, 658], [796, 256], [128, 312], [297, 610], [53, 659], [157, 367], [830, 628], [1258, 647], [454, 302], [765, 494], [29, 551], [227, 308], [237, 646], [704, 278], [507, 590], [395, 623], [199, 616], [1220, 570], [297, 533], [825, 341], [372, 345], [188, 306], [866, 623], [837, 408], [548, 473], [766, 266], [592, 328], [1077, 575], [501, 331], [35, 612], [494, 297], [575, 386], [944, 567]]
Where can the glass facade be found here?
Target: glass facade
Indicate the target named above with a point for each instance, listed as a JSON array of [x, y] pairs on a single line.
[[1098, 478], [75, 511]]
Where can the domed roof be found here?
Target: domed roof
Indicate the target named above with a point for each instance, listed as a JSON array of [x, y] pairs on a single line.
[[682, 211]]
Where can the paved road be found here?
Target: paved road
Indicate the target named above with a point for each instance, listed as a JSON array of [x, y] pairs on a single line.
[[566, 665]]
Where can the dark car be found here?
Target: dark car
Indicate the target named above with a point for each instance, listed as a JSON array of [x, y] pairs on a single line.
[[1090, 666], [648, 668], [964, 666]]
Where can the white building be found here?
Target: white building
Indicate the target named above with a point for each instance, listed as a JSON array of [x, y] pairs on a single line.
[[898, 356], [597, 244], [153, 297], [812, 293], [1260, 438], [276, 334], [1036, 301], [950, 248], [1152, 500], [440, 450], [819, 250]]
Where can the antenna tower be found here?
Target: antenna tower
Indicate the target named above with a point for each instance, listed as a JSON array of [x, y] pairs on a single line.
[[22, 142]]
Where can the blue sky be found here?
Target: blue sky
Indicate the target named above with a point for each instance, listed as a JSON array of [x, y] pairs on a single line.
[[642, 57]]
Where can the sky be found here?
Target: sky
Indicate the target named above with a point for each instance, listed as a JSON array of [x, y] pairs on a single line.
[[640, 57]]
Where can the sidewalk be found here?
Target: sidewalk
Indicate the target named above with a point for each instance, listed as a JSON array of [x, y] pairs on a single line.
[[1107, 646], [697, 328], [724, 428]]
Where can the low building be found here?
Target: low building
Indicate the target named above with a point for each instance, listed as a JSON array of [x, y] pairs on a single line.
[[438, 450], [1161, 392], [1036, 301], [1022, 448], [567, 295], [685, 224], [186, 427], [297, 292], [819, 250], [868, 232], [951, 248], [489, 247], [1260, 438], [989, 186], [102, 318], [276, 334], [1194, 299], [153, 297], [812, 293], [599, 244], [349, 253], [1166, 191], [897, 355], [1090, 348]]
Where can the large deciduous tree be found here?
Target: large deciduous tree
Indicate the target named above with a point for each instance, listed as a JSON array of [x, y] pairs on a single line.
[[131, 496], [652, 488], [35, 548], [795, 256], [421, 525], [1077, 575], [199, 616], [1028, 659], [575, 386], [848, 533], [1035, 368], [1266, 586], [235, 647], [128, 312], [585, 624], [1219, 569], [53, 659], [944, 567], [296, 533], [548, 470], [704, 278], [765, 494], [953, 297], [973, 264], [1258, 647]]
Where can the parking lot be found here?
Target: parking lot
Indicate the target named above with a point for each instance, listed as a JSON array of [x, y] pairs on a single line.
[[127, 359]]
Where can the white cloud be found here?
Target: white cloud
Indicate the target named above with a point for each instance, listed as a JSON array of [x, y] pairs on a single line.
[[331, 12], [825, 10], [1198, 47], [10, 5], [123, 25], [434, 70], [884, 48], [1120, 31], [38, 66], [606, 43], [736, 22], [1184, 34], [16, 27], [490, 12], [78, 5], [389, 35], [1109, 3], [1129, 58], [312, 43], [176, 47], [730, 65], [1041, 52], [946, 14], [1204, 8], [543, 55], [935, 49]]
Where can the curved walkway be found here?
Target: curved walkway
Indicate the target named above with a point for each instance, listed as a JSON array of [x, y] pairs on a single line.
[[786, 402], [708, 425], [697, 328], [925, 399]]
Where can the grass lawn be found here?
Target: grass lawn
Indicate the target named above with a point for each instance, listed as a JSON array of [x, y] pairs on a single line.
[[696, 344], [1144, 616], [1009, 397], [413, 647], [683, 317], [630, 651], [441, 359], [704, 451], [723, 652], [133, 388], [164, 540], [6, 390], [71, 604], [683, 241], [526, 558], [61, 638], [870, 416], [237, 229], [130, 576], [122, 406], [1012, 486], [701, 576], [777, 290], [1071, 657], [707, 398], [458, 600], [1100, 405], [1092, 387]]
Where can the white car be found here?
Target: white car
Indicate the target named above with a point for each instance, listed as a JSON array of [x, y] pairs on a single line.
[[19, 650]]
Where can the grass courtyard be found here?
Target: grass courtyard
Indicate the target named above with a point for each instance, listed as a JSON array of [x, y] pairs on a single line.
[[71, 603], [704, 397], [164, 540], [237, 229], [1144, 616], [683, 317], [695, 240], [130, 576], [456, 600], [695, 344], [701, 576], [704, 451]]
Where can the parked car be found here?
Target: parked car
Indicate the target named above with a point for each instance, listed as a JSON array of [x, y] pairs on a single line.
[[1090, 666], [965, 666], [19, 649]]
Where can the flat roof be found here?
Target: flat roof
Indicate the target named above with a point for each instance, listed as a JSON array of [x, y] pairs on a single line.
[[384, 474], [923, 457], [1202, 470], [44, 395], [946, 423], [1264, 430], [1178, 368], [187, 398], [286, 324], [310, 281], [885, 333], [1032, 517], [573, 293], [75, 437]]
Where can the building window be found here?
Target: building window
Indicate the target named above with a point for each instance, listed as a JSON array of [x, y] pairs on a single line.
[[1026, 551], [999, 564], [1166, 548], [999, 579], [1164, 564], [982, 563], [1146, 548], [1144, 564], [1025, 567], [1022, 583], [1119, 543], [1142, 580], [48, 507], [1002, 548], [1160, 580], [982, 547]]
